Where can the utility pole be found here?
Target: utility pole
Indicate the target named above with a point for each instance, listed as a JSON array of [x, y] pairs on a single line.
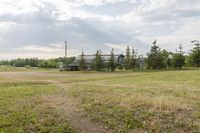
[[65, 49]]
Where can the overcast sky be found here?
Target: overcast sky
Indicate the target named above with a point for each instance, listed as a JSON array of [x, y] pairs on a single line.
[[38, 28]]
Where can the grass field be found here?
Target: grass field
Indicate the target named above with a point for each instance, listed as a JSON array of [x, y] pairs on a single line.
[[50, 101]]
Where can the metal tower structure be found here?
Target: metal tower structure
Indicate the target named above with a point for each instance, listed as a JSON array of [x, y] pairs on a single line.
[[65, 49]]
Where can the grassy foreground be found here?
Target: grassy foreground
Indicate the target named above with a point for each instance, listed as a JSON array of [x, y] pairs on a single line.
[[140, 102], [167, 101], [22, 109]]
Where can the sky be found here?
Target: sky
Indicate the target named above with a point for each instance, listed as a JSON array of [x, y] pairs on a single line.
[[38, 28]]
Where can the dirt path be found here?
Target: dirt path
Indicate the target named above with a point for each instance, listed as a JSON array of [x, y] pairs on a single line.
[[74, 114], [66, 106]]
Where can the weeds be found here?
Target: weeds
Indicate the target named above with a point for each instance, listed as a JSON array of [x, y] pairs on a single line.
[[154, 102], [21, 109]]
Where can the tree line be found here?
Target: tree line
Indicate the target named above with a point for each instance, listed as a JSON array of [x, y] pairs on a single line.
[[35, 62], [155, 59]]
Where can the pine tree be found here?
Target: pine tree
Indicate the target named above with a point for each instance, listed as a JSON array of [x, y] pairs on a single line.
[[98, 63], [166, 59], [127, 59], [154, 57], [112, 64], [82, 63], [133, 60], [178, 60], [194, 57]]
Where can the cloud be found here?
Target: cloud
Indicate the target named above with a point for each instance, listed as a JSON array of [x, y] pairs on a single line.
[[39, 27]]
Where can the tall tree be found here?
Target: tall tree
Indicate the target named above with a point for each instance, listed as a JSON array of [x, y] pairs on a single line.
[[112, 63], [133, 59], [178, 60], [98, 63], [166, 59], [82, 62], [194, 57], [128, 59], [154, 57]]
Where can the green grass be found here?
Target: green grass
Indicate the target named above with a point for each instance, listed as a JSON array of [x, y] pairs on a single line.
[[22, 109], [5, 68], [147, 101], [10, 69], [167, 101]]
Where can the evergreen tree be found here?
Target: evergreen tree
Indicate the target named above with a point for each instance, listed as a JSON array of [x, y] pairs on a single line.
[[166, 59], [128, 59], [82, 62], [178, 60], [133, 60], [112, 64], [154, 57], [98, 63], [194, 57]]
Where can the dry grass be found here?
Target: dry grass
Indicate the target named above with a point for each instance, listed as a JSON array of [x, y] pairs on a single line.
[[165, 101], [22, 108], [153, 101]]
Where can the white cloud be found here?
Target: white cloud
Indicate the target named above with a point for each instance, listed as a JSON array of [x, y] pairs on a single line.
[[38, 48], [119, 47], [18, 6], [5, 26], [32, 51], [39, 27]]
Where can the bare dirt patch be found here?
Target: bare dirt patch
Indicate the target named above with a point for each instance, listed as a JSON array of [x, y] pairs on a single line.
[[69, 108]]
